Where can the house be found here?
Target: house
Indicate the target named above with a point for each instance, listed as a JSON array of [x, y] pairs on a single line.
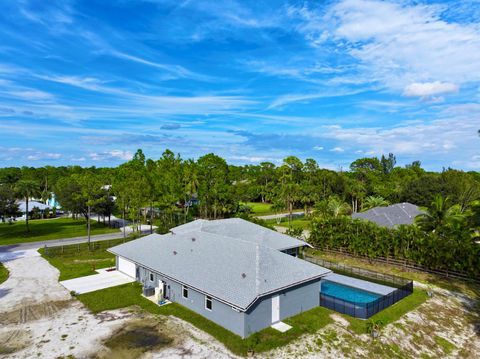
[[233, 272], [22, 208], [391, 216]]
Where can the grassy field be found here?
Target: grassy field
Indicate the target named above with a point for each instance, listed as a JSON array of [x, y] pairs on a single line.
[[260, 208], [79, 260], [3, 273], [267, 339], [46, 229], [296, 223]]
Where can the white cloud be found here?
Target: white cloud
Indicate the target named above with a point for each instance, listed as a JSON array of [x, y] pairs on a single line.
[[429, 89], [111, 155], [43, 156], [449, 141], [318, 148], [337, 149], [397, 44]]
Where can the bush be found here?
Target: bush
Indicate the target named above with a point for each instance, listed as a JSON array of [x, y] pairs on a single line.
[[429, 249]]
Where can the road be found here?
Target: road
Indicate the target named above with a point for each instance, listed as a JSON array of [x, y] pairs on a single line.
[[281, 215], [59, 242]]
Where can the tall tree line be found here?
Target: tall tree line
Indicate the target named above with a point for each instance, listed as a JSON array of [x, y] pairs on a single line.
[[172, 189]]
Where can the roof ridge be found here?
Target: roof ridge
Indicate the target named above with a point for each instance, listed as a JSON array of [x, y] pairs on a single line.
[[257, 269]]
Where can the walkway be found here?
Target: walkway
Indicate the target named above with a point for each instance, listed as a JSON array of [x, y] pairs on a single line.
[[104, 279]]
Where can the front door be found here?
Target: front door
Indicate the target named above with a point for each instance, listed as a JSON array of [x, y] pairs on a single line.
[[275, 309], [164, 287]]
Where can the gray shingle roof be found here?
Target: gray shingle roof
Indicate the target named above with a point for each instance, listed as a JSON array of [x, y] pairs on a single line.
[[396, 214], [242, 229], [234, 271]]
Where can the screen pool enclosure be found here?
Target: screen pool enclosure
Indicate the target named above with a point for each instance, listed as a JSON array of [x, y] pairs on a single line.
[[360, 293]]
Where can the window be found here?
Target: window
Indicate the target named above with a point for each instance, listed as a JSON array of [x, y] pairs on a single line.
[[185, 292], [151, 277], [208, 302]]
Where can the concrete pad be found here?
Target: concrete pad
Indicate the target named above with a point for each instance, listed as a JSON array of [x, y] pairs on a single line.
[[98, 281], [281, 327]]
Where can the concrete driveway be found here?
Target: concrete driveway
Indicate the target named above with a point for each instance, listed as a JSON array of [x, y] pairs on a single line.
[[104, 279]]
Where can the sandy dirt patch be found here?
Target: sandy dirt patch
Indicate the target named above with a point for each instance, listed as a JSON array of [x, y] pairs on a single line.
[[40, 319]]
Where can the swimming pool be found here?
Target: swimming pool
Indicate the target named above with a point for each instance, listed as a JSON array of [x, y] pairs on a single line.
[[347, 293]]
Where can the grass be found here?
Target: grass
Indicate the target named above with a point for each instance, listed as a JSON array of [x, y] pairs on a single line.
[[447, 346], [3, 273], [260, 208], [264, 209], [296, 223], [80, 263], [47, 229], [130, 294], [390, 314]]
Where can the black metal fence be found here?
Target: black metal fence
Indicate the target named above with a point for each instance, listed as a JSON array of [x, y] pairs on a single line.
[[404, 287], [360, 273], [365, 310]]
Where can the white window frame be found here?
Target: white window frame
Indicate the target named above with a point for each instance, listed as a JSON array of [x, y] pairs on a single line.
[[185, 288], [151, 277], [208, 298]]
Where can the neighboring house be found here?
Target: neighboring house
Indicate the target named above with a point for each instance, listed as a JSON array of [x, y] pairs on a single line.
[[22, 207], [391, 216], [231, 271], [52, 201]]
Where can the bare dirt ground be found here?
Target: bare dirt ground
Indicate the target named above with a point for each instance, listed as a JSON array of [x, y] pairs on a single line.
[[39, 318], [446, 326]]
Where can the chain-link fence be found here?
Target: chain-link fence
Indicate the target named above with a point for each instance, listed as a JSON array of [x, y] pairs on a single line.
[[72, 249]]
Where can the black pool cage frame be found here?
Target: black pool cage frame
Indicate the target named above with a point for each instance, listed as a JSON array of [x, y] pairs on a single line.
[[365, 310], [403, 287]]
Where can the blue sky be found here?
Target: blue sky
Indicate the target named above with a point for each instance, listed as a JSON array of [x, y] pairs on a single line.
[[89, 82]]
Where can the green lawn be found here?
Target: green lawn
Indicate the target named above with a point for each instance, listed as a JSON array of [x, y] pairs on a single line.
[[267, 339], [3, 273], [46, 229], [78, 260], [392, 313], [260, 208], [296, 223]]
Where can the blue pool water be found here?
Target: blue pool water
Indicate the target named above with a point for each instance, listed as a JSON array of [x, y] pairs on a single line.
[[347, 293]]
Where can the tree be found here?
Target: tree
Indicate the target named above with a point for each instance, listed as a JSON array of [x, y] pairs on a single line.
[[91, 193], [374, 201], [337, 208], [290, 178], [214, 190], [190, 184], [26, 189], [440, 215], [8, 207], [366, 164], [388, 163]]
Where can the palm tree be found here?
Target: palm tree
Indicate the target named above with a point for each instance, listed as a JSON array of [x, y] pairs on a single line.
[[26, 189], [374, 201], [337, 207], [440, 214]]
